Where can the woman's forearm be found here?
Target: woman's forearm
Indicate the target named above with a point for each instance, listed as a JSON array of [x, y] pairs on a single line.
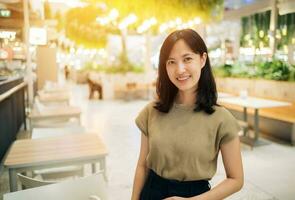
[[139, 180], [222, 190]]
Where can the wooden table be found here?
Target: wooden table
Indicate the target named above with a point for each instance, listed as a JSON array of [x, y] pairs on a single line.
[[77, 189], [54, 97], [256, 104], [58, 113], [33, 154], [56, 89], [53, 132]]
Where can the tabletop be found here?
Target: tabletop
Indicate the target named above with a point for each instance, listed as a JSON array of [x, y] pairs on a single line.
[[58, 111], [253, 102], [52, 132], [224, 95], [51, 150], [53, 96]]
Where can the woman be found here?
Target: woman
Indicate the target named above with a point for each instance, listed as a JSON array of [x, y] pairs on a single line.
[[184, 130]]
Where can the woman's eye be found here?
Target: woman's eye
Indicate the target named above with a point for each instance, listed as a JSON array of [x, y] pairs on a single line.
[[170, 62], [187, 59]]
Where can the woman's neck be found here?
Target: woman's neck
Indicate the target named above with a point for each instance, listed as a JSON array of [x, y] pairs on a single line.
[[186, 98]]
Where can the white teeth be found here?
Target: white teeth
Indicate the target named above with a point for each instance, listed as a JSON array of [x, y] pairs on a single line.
[[183, 78]]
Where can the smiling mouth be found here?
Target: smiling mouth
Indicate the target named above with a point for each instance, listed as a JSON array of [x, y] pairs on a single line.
[[183, 78]]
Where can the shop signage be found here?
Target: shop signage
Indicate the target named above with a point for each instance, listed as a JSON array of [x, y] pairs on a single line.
[[7, 35], [5, 13]]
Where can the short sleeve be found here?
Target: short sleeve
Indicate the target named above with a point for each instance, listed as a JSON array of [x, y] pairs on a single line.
[[142, 120], [228, 129]]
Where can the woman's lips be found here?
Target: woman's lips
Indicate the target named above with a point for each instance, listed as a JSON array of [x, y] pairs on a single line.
[[183, 78]]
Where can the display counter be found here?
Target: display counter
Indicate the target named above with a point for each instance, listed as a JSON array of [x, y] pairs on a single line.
[[12, 111]]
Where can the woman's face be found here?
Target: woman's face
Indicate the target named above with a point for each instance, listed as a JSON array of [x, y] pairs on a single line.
[[184, 67]]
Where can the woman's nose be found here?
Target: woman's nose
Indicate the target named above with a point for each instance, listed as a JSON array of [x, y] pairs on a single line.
[[180, 67]]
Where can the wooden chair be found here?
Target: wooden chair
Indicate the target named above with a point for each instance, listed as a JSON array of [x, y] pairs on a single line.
[[59, 173]]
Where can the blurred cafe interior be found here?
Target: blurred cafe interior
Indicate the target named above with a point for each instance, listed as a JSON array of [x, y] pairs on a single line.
[[75, 74]]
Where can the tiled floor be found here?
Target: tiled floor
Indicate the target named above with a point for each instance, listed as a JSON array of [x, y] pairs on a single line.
[[269, 170]]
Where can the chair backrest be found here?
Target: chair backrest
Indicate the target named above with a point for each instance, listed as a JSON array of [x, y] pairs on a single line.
[[28, 182]]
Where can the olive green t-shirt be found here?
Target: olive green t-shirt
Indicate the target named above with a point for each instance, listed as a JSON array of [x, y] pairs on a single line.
[[183, 144]]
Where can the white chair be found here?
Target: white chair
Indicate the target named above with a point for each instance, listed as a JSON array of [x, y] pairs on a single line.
[[28, 182], [60, 173]]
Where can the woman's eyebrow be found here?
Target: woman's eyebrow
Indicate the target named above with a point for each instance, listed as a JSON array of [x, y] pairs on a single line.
[[171, 58], [187, 54]]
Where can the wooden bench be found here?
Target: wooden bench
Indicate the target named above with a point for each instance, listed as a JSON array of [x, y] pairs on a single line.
[[280, 115]]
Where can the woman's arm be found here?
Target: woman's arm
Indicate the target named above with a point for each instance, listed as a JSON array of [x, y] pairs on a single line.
[[232, 161], [141, 169]]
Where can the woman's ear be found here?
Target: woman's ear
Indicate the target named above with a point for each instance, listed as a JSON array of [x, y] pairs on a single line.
[[203, 59]]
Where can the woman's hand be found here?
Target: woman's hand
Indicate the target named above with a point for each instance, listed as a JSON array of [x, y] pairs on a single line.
[[175, 198]]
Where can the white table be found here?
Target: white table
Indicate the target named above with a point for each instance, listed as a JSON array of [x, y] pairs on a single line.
[[77, 189], [224, 95], [42, 153], [256, 104]]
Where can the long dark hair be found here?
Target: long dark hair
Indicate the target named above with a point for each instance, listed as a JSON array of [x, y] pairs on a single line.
[[206, 95]]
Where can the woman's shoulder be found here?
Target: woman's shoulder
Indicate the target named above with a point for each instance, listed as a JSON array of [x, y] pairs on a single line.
[[149, 106], [222, 113], [220, 108]]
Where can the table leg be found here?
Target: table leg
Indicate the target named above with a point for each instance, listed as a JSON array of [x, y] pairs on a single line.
[[257, 141], [24, 111], [253, 142], [103, 168], [12, 180], [93, 167], [245, 118], [79, 119], [256, 125]]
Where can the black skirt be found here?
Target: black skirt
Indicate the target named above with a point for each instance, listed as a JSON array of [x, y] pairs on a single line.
[[158, 188]]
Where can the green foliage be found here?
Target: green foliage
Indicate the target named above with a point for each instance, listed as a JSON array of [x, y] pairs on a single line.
[[286, 29], [83, 29], [272, 70], [292, 73], [123, 67], [167, 9], [223, 71], [81, 25], [255, 28]]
